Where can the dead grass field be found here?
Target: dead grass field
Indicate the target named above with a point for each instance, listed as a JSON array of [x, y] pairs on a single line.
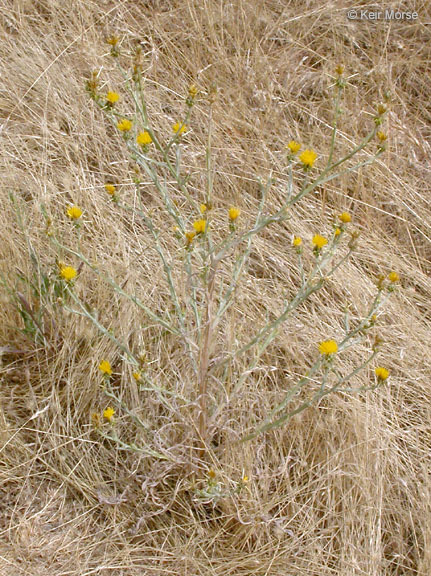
[[345, 487]]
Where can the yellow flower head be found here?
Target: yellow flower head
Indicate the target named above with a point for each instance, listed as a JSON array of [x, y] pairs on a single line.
[[393, 277], [203, 208], [190, 236], [308, 158], [137, 376], [110, 188], [381, 373], [112, 97], [74, 212], [339, 69], [245, 479], [345, 217], [179, 128], [143, 138], [112, 40], [337, 232], [68, 273], [108, 414], [319, 241], [294, 146], [381, 136], [234, 213], [124, 125], [193, 91], [297, 241], [105, 367], [200, 226], [381, 109], [328, 347]]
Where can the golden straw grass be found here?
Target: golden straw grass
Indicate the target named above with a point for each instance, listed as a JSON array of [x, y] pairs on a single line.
[[344, 488]]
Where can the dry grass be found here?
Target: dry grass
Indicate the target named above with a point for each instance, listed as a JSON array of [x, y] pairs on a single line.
[[345, 488]]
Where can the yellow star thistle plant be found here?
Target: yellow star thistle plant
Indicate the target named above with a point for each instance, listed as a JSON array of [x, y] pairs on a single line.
[[203, 265]]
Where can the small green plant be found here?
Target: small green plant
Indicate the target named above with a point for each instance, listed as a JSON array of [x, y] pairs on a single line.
[[37, 293], [212, 242]]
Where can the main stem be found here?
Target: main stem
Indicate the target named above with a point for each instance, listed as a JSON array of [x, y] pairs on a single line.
[[204, 357]]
